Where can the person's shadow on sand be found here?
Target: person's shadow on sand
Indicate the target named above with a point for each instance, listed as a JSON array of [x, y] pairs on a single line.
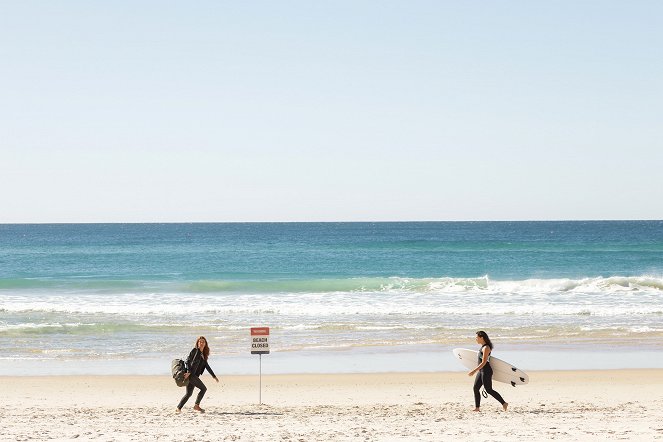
[[242, 413]]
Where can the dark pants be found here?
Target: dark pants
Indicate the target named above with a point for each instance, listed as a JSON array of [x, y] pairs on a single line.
[[485, 378], [194, 381]]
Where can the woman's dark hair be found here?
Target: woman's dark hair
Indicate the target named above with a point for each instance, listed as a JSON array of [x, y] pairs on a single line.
[[206, 349], [485, 337]]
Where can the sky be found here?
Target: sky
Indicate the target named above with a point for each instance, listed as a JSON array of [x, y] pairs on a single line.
[[218, 111]]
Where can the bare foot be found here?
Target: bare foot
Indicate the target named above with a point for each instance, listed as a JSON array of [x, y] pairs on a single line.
[[197, 408], [476, 409], [505, 405]]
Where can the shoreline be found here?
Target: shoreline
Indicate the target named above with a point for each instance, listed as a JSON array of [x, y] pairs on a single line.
[[397, 359], [585, 404]]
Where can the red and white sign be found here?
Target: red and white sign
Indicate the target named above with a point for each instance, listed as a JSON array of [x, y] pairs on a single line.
[[260, 340]]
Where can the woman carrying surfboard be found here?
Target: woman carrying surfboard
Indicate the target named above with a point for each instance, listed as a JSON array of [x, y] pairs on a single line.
[[484, 372]]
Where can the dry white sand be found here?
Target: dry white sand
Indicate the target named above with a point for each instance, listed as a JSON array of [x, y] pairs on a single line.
[[562, 405]]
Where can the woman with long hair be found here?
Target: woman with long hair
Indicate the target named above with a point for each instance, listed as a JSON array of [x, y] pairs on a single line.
[[196, 364], [484, 372]]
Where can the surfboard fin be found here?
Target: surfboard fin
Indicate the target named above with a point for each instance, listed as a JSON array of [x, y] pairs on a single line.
[[522, 379], [513, 384], [513, 369]]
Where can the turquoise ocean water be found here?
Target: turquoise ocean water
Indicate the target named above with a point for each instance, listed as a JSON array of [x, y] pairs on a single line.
[[116, 298]]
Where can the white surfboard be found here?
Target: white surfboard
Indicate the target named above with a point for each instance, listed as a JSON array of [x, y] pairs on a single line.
[[502, 371]]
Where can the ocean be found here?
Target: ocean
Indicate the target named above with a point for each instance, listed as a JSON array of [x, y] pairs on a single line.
[[339, 297]]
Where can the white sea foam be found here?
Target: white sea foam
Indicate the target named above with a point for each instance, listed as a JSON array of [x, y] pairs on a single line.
[[597, 296], [394, 311]]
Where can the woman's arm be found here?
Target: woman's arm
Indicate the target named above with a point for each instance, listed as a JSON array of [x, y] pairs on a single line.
[[209, 369], [189, 360], [484, 361]]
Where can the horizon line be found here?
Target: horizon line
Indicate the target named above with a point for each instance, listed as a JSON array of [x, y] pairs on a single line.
[[332, 222]]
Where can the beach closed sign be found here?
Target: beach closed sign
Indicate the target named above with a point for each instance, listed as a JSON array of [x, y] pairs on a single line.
[[260, 340]]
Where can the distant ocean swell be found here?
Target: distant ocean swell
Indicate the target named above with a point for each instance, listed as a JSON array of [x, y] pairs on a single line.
[[328, 285]]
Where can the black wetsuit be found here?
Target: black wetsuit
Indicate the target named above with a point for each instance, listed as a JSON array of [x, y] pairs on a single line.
[[484, 377], [196, 365]]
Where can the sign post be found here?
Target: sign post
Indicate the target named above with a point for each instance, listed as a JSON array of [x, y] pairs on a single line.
[[260, 346]]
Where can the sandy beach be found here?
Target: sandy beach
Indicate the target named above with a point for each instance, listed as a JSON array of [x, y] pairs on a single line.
[[560, 405]]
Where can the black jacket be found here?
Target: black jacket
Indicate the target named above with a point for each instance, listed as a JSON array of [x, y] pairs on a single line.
[[196, 364]]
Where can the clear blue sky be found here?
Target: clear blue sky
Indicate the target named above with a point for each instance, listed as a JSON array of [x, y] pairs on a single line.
[[330, 111]]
